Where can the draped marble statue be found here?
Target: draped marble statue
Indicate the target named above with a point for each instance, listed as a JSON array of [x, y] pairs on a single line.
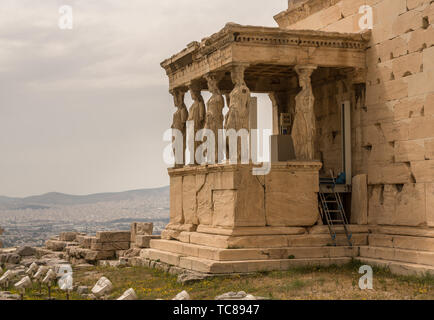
[[214, 115], [237, 117], [304, 127], [196, 114], [179, 123]]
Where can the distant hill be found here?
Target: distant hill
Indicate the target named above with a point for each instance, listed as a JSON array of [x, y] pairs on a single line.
[[55, 199]]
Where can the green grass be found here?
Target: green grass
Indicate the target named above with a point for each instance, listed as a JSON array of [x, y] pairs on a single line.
[[333, 282]]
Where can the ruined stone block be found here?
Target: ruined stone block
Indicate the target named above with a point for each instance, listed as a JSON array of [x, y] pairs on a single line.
[[143, 241], [109, 246], [113, 236], [55, 245], [68, 236], [141, 228]]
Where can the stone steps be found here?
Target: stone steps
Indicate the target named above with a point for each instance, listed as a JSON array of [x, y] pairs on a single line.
[[398, 255], [402, 242], [227, 267], [399, 268], [219, 254], [267, 241]]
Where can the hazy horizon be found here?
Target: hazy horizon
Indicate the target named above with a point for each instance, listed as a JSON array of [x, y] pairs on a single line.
[[83, 111]]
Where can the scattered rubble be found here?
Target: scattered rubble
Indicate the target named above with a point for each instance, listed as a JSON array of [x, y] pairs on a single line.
[[190, 277], [6, 295], [130, 294], [24, 283], [102, 287], [236, 296], [25, 251], [182, 296]]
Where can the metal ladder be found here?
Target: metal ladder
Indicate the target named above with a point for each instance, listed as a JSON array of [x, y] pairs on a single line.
[[332, 210]]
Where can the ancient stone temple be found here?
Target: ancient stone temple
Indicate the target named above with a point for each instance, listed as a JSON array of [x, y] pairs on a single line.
[[352, 89]]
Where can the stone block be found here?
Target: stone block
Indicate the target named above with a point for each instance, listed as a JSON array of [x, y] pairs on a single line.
[[189, 199], [409, 108], [141, 228], [109, 246], [412, 150], [113, 236], [408, 64], [430, 204], [102, 287], [225, 202], [55, 245], [85, 241], [176, 203], [423, 171], [359, 200], [420, 83], [398, 173], [130, 294], [422, 127], [143, 241], [68, 236], [402, 205], [204, 185]]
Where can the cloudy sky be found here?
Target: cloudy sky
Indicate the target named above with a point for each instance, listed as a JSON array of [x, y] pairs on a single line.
[[84, 110]]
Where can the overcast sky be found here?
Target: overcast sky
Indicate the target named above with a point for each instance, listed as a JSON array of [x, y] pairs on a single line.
[[84, 110]]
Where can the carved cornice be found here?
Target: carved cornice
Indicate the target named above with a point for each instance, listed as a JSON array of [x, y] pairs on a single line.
[[228, 46], [218, 168], [302, 10]]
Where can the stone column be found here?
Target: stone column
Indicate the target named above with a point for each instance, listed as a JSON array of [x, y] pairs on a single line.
[[238, 114], [196, 115], [304, 127], [179, 123], [214, 114]]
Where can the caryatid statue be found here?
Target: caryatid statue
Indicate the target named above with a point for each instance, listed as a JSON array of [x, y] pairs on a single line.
[[237, 117], [196, 115], [214, 115], [179, 123], [304, 128]]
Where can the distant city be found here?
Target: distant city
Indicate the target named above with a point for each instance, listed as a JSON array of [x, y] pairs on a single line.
[[31, 221]]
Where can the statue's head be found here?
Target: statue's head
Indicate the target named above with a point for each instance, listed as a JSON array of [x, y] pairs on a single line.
[[303, 82], [195, 91], [178, 97], [213, 80], [237, 75]]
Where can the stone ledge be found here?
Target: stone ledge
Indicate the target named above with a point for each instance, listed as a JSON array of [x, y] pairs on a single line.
[[398, 255], [227, 167], [399, 268], [229, 267], [198, 251]]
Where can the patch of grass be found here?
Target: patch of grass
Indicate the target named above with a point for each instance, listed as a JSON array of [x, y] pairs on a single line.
[[332, 282]]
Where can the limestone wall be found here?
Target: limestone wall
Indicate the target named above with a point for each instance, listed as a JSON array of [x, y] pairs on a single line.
[[230, 196], [393, 129]]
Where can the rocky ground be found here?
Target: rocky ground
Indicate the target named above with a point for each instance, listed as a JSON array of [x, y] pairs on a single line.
[[122, 281]]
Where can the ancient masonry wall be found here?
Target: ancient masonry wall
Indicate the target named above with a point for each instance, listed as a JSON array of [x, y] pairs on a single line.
[[393, 131]]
